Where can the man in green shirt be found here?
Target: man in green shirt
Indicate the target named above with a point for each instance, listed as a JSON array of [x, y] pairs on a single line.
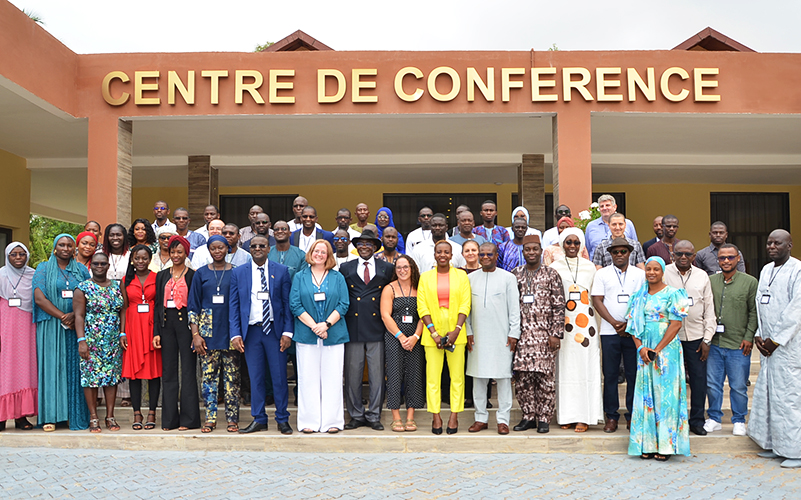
[[734, 294]]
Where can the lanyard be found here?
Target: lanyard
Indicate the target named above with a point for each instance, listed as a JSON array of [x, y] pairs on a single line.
[[67, 279], [142, 284], [683, 281], [570, 271], [114, 264], [772, 276], [618, 273], [14, 287], [314, 278], [219, 280], [175, 282]]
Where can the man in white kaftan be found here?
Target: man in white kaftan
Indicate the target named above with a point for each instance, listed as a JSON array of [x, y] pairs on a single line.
[[775, 423]]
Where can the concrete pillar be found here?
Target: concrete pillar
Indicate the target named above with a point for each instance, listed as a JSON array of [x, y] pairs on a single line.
[[531, 188], [572, 158], [109, 170], [203, 187]]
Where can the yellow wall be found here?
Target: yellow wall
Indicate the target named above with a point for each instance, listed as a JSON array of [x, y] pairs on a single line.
[[15, 196], [143, 199]]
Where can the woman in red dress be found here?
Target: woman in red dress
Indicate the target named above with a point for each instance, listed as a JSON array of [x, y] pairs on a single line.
[[141, 360]]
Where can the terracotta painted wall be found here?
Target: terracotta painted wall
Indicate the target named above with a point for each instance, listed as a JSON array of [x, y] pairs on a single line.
[[15, 195]]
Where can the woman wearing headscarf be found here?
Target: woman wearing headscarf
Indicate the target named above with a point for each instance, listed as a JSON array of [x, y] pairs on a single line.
[[60, 394], [209, 300], [552, 253], [173, 336], [86, 246], [517, 213], [659, 426], [383, 219], [578, 368], [18, 385]]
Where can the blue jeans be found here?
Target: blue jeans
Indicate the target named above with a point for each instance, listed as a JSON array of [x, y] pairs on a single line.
[[720, 363]]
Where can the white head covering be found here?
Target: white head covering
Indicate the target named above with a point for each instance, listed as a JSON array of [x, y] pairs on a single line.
[[21, 279], [575, 232], [520, 209]]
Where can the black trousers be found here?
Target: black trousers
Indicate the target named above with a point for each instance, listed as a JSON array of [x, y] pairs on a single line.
[[616, 348], [696, 375], [154, 387], [176, 343]]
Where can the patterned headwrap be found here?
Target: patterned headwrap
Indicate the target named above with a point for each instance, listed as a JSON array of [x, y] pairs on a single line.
[[636, 312]]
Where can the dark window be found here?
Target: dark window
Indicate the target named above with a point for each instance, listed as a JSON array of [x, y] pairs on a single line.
[[549, 222], [235, 208], [405, 206], [620, 200], [750, 217]]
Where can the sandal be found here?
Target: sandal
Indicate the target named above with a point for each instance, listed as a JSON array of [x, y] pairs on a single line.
[[51, 427], [151, 424], [397, 426], [137, 423], [94, 425], [647, 456], [332, 430], [307, 431], [661, 458], [22, 424], [580, 427], [126, 402], [233, 427], [566, 426], [208, 427], [410, 426], [111, 424]]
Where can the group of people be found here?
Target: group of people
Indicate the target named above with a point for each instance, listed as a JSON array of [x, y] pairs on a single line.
[[435, 316]]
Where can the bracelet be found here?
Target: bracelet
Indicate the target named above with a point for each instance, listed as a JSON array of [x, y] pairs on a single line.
[[398, 334], [640, 349], [459, 327], [122, 334], [434, 334], [416, 336], [81, 339], [429, 325]]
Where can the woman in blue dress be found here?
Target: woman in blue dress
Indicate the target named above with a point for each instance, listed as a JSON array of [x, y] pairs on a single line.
[[208, 319], [659, 425]]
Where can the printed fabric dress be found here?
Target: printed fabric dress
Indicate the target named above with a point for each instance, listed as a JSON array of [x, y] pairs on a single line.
[[102, 331], [659, 413]]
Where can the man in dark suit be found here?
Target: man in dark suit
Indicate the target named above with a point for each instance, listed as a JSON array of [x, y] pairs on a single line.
[[366, 278], [309, 233], [261, 326]]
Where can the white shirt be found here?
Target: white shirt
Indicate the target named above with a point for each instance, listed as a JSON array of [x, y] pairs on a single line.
[[529, 232], [294, 226], [167, 224], [305, 242], [416, 237], [256, 305], [616, 288], [342, 260], [423, 255], [370, 264], [550, 237], [203, 230]]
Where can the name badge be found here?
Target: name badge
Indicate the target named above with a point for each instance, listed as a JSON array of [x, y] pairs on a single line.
[[143, 308], [720, 329], [623, 298], [263, 295], [15, 302], [765, 299], [66, 294], [218, 299], [170, 304], [574, 296], [319, 296], [692, 302], [406, 319], [528, 299]]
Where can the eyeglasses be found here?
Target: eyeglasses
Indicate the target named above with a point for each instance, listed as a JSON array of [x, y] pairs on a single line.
[[683, 254], [164, 237], [619, 252], [383, 216], [340, 238], [179, 218], [402, 268], [160, 209], [364, 244], [486, 254], [308, 216], [563, 212], [426, 216], [99, 264], [16, 255], [343, 217], [300, 205], [258, 245], [572, 243], [262, 223], [727, 257]]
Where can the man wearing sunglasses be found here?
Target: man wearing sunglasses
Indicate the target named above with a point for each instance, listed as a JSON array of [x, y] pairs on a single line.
[[182, 220], [342, 246], [310, 232], [551, 236], [617, 227], [423, 232], [698, 328], [248, 232], [707, 258], [161, 212], [261, 226], [612, 288]]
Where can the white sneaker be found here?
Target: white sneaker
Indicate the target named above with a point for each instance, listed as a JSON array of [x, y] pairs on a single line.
[[712, 426], [739, 429]]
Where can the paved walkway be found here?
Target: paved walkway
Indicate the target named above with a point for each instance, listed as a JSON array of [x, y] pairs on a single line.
[[59, 473]]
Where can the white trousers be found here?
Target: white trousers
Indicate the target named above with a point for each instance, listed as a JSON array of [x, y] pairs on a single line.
[[320, 405], [504, 399]]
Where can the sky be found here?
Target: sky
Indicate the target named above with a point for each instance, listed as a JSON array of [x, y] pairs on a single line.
[[92, 26]]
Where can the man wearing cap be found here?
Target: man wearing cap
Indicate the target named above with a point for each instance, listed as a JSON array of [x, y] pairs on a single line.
[[542, 326], [365, 278], [611, 289], [617, 228]]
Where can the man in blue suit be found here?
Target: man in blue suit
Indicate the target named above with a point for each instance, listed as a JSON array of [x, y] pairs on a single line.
[[309, 233], [262, 327]]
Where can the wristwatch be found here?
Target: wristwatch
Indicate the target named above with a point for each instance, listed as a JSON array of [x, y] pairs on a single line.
[[328, 324], [708, 341], [434, 335]]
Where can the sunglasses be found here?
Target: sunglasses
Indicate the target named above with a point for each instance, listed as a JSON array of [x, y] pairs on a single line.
[[563, 212], [308, 216], [180, 218], [340, 238], [364, 244], [262, 223], [727, 257], [298, 206], [426, 216], [486, 254], [164, 237], [160, 209], [259, 245], [619, 252], [683, 254], [572, 243]]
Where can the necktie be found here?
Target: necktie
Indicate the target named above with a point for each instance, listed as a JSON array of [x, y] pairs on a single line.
[[366, 273], [265, 304]]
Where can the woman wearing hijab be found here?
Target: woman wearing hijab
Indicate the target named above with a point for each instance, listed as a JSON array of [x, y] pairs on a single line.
[[383, 220], [659, 426], [60, 394], [18, 385], [517, 213], [86, 246], [578, 368], [552, 253], [209, 300]]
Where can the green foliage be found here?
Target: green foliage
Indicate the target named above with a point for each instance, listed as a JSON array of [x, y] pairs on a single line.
[[553, 48], [43, 230], [34, 16], [260, 48], [587, 216]]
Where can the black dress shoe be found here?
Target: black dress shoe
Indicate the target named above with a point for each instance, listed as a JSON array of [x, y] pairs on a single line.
[[451, 430], [376, 426], [284, 427], [698, 429], [525, 425], [354, 424], [436, 430], [253, 427], [543, 427]]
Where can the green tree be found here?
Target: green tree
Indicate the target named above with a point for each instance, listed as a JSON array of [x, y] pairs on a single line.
[[34, 16], [260, 48], [553, 48], [43, 230]]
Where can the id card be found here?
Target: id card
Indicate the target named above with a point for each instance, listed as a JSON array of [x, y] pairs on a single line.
[[406, 319], [263, 295], [218, 299], [143, 308], [170, 304], [574, 296], [319, 296], [623, 298], [692, 302], [720, 329], [765, 299], [15, 302], [528, 299], [66, 294]]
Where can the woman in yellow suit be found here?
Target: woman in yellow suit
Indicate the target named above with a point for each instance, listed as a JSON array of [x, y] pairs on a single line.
[[443, 302]]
